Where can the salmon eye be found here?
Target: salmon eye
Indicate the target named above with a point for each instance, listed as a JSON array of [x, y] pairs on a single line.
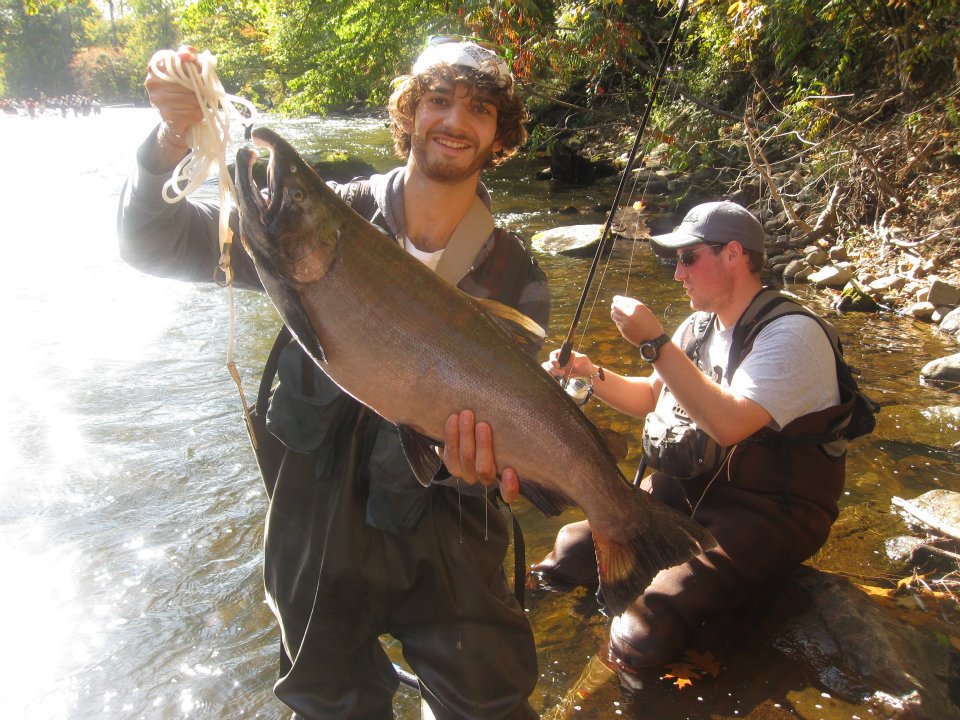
[[298, 195]]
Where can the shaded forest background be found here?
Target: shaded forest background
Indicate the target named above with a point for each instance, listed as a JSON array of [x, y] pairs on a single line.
[[845, 111]]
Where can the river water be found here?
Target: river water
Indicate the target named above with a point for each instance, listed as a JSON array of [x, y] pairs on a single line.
[[130, 509]]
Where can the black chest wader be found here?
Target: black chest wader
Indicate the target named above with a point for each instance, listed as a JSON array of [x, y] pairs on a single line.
[[770, 506], [337, 583]]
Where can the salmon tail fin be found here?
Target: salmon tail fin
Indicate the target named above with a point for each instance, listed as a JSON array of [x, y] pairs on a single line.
[[626, 568]]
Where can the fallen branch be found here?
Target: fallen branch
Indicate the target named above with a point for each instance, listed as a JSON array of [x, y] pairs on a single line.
[[762, 166], [914, 510]]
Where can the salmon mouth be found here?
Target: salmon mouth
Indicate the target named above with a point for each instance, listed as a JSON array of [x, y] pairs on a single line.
[[265, 201]]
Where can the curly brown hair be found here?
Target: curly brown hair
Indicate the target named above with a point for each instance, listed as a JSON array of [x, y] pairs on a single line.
[[410, 89]]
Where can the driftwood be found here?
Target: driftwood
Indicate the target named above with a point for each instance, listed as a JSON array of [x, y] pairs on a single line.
[[920, 508]]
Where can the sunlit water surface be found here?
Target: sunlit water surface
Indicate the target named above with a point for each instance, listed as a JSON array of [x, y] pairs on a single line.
[[130, 509]]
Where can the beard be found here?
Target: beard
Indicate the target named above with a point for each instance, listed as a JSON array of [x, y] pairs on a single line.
[[447, 171]]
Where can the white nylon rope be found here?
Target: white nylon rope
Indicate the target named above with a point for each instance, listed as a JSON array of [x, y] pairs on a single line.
[[209, 141]]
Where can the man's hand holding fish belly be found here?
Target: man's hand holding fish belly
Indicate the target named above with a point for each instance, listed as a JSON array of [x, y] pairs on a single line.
[[468, 454]]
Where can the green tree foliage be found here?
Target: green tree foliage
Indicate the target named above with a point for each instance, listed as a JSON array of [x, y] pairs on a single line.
[[310, 56], [337, 53], [236, 33], [152, 27], [838, 46], [37, 42]]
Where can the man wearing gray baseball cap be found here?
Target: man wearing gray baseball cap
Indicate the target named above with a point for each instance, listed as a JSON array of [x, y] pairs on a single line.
[[741, 408]]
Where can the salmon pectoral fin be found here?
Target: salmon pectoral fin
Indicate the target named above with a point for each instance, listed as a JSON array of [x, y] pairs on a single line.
[[296, 319], [549, 502], [626, 568], [421, 453]]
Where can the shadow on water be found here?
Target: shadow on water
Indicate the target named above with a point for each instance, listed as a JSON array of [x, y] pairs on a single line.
[[130, 508]]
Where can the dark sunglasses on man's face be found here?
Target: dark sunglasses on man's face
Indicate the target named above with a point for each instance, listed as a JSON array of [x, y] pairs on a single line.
[[689, 257]]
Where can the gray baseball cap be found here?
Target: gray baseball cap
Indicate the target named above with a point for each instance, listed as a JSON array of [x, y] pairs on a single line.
[[712, 222]]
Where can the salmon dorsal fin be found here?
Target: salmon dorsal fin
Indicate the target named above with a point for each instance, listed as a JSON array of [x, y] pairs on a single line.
[[518, 325], [420, 453]]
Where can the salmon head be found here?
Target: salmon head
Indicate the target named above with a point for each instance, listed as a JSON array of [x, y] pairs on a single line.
[[293, 229]]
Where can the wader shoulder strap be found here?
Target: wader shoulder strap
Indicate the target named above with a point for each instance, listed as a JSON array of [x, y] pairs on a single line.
[[270, 370], [519, 562], [695, 334], [467, 239], [770, 305]]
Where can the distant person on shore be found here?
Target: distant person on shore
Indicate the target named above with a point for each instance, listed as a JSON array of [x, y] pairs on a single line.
[[762, 469], [354, 546]]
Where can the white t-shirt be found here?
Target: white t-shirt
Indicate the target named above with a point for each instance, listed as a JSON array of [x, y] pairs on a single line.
[[427, 258], [790, 371]]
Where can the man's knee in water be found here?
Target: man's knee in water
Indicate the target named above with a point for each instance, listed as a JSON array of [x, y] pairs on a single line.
[[647, 634], [573, 560]]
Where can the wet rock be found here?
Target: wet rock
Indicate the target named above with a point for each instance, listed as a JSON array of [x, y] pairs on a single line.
[[943, 370], [921, 311], [887, 284], [831, 276], [900, 549], [942, 293], [858, 652], [573, 240], [781, 259], [797, 271], [570, 164], [951, 323], [817, 258], [855, 298]]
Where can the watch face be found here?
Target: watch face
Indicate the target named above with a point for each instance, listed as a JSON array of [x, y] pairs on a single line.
[[650, 349]]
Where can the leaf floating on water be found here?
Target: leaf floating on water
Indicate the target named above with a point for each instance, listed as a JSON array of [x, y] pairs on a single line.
[[692, 667], [703, 661], [683, 674]]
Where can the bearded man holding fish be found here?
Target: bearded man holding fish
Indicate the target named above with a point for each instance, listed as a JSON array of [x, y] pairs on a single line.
[[355, 546]]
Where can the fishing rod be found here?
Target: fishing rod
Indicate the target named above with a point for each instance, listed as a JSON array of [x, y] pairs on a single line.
[[567, 346]]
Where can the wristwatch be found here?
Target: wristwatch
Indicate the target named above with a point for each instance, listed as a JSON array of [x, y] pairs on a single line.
[[650, 349]]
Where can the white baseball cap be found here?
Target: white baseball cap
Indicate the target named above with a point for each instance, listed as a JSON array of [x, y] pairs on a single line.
[[467, 52]]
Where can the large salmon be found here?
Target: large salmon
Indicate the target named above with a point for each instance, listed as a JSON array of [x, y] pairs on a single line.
[[415, 349]]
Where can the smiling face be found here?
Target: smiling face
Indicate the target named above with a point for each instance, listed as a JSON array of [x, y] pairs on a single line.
[[454, 132], [410, 91]]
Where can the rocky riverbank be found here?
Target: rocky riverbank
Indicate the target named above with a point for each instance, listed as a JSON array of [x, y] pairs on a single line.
[[906, 261]]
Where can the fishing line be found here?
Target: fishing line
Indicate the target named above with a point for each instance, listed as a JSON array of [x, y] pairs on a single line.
[[209, 140], [670, 99], [567, 346]]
